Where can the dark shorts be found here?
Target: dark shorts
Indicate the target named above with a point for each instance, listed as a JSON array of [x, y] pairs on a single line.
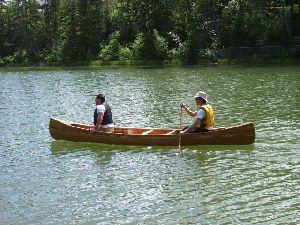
[[196, 130]]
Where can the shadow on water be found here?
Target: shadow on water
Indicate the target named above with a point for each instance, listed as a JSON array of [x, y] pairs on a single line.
[[202, 156], [63, 147], [104, 153]]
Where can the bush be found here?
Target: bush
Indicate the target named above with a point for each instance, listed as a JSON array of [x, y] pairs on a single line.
[[182, 51], [125, 53], [2, 63], [19, 58], [138, 46], [179, 53], [150, 46], [207, 54], [160, 46], [110, 51]]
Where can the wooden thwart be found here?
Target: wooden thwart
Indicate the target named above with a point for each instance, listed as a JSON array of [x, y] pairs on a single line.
[[146, 132]]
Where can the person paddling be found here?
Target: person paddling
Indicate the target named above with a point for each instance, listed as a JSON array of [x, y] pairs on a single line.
[[204, 120], [102, 116]]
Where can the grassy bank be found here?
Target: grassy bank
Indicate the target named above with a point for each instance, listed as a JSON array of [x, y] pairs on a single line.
[[164, 63], [140, 63], [259, 61]]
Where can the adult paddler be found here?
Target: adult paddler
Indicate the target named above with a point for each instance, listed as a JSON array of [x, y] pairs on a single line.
[[204, 117], [102, 116]]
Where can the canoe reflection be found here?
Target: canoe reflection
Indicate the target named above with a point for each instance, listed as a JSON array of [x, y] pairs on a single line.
[[63, 147]]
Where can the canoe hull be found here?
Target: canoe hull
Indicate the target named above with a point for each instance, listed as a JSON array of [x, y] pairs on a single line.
[[236, 135]]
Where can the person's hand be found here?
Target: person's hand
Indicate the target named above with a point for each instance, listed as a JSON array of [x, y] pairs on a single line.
[[182, 105], [93, 130], [183, 132]]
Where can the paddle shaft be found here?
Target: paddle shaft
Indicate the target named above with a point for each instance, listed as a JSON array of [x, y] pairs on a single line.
[[180, 127]]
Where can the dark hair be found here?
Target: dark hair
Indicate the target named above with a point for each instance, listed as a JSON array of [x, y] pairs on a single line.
[[101, 97]]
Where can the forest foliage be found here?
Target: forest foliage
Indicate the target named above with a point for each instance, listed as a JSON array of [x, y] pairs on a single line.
[[62, 32]]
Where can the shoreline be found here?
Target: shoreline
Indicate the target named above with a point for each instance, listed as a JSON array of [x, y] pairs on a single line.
[[161, 64]]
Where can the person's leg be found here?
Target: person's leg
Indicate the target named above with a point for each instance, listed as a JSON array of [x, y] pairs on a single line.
[[107, 130], [199, 130], [195, 130]]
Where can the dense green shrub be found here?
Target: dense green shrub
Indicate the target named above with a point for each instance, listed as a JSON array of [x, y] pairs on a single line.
[[20, 58], [110, 51], [125, 53], [160, 46], [150, 46]]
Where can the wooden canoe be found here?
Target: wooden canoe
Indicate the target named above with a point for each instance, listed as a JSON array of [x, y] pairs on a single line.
[[243, 134]]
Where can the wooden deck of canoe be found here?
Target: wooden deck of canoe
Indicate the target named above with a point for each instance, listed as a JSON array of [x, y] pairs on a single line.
[[236, 135]]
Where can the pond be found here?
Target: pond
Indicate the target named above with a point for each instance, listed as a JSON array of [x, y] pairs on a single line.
[[44, 181]]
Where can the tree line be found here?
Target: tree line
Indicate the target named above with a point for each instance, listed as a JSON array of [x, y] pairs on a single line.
[[61, 32]]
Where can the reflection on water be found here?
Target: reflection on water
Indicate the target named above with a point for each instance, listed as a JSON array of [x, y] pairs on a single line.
[[105, 154], [64, 147]]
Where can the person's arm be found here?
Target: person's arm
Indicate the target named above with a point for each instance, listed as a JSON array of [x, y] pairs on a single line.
[[196, 123], [190, 112], [100, 115], [99, 120]]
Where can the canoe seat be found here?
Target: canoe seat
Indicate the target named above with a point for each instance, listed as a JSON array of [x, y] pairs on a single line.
[[146, 132]]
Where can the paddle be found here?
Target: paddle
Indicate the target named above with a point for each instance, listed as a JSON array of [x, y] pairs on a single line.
[[180, 126]]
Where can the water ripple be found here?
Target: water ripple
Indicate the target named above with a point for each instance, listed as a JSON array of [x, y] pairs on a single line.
[[55, 182]]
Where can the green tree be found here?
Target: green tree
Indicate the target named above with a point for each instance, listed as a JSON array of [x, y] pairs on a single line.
[[3, 31], [110, 51], [123, 21], [197, 24], [51, 11], [147, 47], [25, 28], [255, 23], [70, 31], [150, 19], [80, 30]]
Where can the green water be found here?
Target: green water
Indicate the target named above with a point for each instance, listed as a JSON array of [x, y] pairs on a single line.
[[43, 181]]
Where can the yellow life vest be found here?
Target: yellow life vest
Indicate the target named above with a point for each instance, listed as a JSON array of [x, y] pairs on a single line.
[[209, 119]]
